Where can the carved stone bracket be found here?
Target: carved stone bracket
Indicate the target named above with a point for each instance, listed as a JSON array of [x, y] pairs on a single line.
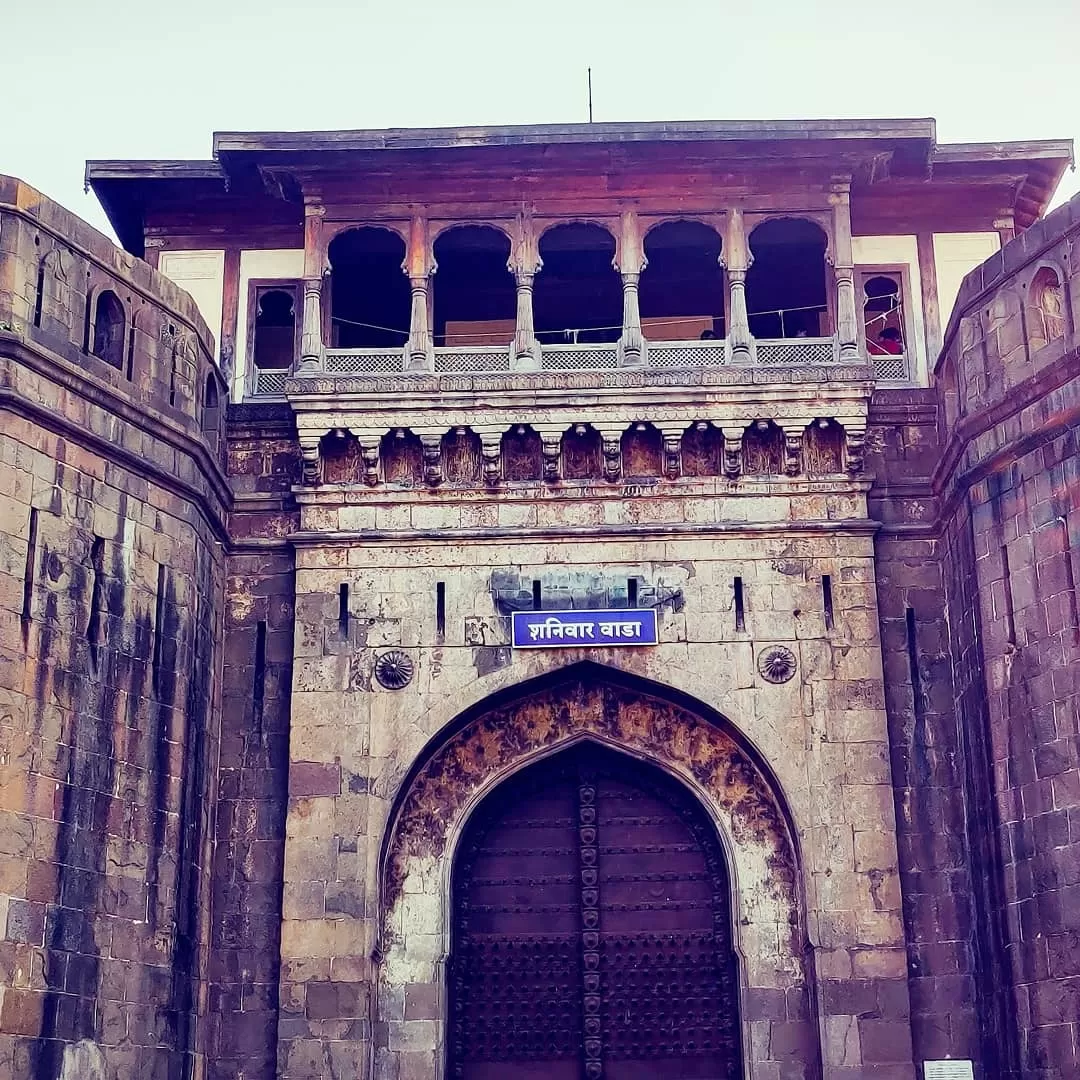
[[733, 437], [551, 446], [855, 447], [309, 452], [432, 446], [369, 454], [491, 452], [611, 440], [672, 451], [793, 437]]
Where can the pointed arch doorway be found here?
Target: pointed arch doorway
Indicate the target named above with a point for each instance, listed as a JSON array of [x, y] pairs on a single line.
[[592, 929]]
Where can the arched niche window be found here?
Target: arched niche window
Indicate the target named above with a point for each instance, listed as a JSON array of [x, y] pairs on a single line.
[[211, 410], [642, 451], [702, 450], [522, 454], [883, 314], [475, 300], [577, 296], [401, 455], [274, 333], [763, 449], [582, 453], [823, 448], [786, 294], [110, 329], [339, 453], [462, 459], [1047, 298], [682, 288], [370, 298]]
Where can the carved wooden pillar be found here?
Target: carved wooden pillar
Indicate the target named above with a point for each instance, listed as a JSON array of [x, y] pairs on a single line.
[[525, 264], [737, 260], [847, 320], [631, 256], [314, 271], [733, 437], [419, 266]]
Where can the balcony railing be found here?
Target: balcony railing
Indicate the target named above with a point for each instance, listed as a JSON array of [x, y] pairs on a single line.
[[793, 353]]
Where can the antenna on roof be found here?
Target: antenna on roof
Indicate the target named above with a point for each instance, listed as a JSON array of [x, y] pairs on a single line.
[[589, 71]]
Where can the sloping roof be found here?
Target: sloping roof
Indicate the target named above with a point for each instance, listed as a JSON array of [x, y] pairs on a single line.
[[908, 147]]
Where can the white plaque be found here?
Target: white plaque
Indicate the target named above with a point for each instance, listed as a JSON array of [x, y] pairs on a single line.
[[948, 1070]]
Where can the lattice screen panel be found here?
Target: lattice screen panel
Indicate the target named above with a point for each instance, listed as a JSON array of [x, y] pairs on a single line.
[[363, 361], [891, 368], [687, 354], [795, 352], [469, 360], [579, 358], [270, 382]]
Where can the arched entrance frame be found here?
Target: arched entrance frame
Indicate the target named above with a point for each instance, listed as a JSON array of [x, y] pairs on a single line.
[[690, 742]]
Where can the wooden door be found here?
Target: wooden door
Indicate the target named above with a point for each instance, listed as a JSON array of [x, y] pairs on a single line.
[[592, 930]]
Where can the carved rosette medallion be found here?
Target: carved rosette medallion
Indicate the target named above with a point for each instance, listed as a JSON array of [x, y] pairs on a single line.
[[394, 669], [777, 663]]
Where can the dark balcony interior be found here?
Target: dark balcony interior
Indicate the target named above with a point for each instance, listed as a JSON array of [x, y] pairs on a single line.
[[578, 294], [786, 292], [682, 287], [473, 289], [369, 292]]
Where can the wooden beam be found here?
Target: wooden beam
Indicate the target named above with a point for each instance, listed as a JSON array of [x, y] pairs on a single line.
[[230, 307], [930, 304]]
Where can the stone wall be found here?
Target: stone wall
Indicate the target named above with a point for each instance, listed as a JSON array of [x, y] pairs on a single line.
[[1009, 485], [431, 572], [263, 462], [903, 451], [111, 577]]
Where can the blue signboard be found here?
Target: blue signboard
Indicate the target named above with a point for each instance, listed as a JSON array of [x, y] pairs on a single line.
[[573, 629]]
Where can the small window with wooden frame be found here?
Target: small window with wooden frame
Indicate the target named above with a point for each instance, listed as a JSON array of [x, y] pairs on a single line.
[[273, 330], [884, 295]]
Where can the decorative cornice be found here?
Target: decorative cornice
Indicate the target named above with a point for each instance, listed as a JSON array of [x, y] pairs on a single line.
[[571, 533], [297, 389]]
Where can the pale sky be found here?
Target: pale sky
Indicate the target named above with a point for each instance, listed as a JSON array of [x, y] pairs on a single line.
[[139, 79]]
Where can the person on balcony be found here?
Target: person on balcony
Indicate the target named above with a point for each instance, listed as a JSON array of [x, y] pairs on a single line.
[[889, 343]]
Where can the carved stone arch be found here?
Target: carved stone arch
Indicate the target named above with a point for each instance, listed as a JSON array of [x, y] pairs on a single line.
[[710, 221], [107, 323], [821, 218], [1043, 281], [440, 228], [53, 285], [657, 731], [610, 225], [332, 230], [511, 728]]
